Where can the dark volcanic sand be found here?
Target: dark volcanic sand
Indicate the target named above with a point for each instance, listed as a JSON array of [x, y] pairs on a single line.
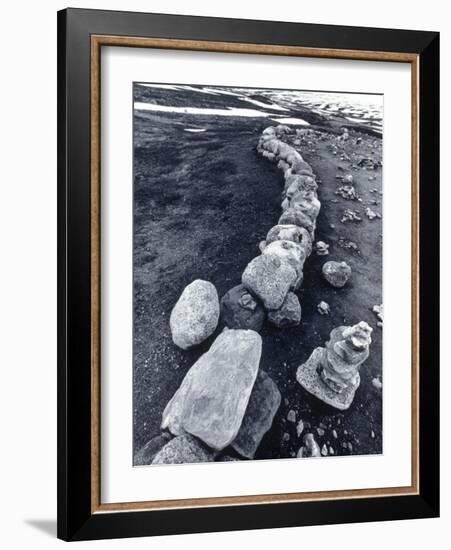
[[202, 203]]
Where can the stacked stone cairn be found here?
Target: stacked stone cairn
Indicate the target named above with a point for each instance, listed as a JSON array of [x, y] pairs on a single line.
[[332, 373]]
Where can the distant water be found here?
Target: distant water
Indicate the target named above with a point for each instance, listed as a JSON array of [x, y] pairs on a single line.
[[364, 109]]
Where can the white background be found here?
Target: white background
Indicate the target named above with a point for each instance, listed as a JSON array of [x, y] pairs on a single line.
[[28, 275], [121, 482]]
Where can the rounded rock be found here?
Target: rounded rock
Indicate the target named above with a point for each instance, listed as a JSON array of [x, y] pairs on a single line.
[[239, 309], [289, 315], [195, 315], [337, 274]]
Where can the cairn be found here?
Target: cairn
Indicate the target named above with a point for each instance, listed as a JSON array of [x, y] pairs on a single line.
[[332, 373]]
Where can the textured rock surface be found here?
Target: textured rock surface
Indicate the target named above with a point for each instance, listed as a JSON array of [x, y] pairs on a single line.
[[287, 251], [239, 309], [295, 216], [307, 376], [183, 449], [270, 279], [214, 394], [263, 404], [337, 274], [147, 453], [289, 314], [290, 232], [195, 315]]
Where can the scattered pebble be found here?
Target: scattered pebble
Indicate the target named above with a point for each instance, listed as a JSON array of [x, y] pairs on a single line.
[[286, 436], [373, 435], [300, 428], [371, 214], [379, 311], [291, 416], [320, 432], [331, 451], [324, 450], [350, 216], [377, 383], [348, 179], [323, 308], [321, 248], [348, 192], [334, 433]]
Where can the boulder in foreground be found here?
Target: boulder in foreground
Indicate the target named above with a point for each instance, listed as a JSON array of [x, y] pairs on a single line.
[[195, 315], [263, 404], [213, 397]]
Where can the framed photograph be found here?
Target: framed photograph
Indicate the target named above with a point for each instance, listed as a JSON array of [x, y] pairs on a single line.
[[248, 274]]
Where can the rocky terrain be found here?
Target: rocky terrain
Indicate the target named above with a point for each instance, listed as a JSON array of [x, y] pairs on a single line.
[[209, 206]]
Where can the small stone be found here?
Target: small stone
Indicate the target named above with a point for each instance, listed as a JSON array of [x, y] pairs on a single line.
[[310, 447], [350, 446], [262, 245], [323, 308], [350, 216], [324, 450], [377, 383], [373, 435], [286, 436], [321, 248], [371, 214], [300, 428], [331, 451], [348, 179], [183, 449], [289, 315], [379, 311], [334, 433], [270, 279], [320, 432], [336, 274], [195, 315], [291, 416], [239, 309]]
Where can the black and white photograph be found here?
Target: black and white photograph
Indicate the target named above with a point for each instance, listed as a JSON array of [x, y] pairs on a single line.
[[257, 270]]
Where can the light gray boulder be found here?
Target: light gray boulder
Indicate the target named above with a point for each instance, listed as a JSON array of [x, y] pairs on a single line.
[[270, 279], [290, 232], [212, 399], [195, 315]]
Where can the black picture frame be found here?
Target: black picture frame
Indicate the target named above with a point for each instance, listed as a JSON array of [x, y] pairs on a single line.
[[76, 520]]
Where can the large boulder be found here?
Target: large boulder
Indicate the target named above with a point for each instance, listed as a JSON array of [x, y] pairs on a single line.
[[270, 279], [295, 216], [300, 183], [337, 274], [263, 404], [239, 309], [182, 450], [213, 397], [195, 315], [289, 315]]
